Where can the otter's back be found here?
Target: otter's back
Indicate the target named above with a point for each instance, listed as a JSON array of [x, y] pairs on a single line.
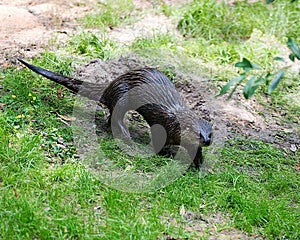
[[145, 86]]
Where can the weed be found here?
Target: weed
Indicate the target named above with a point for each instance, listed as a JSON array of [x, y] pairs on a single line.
[[92, 45], [256, 80]]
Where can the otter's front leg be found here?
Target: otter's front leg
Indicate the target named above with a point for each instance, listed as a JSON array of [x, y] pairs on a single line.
[[118, 128], [195, 153]]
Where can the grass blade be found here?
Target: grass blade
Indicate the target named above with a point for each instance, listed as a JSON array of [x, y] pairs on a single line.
[[246, 65], [232, 82], [294, 48], [252, 85], [276, 81]]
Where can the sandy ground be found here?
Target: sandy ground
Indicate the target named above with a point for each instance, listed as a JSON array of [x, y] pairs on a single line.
[[26, 26]]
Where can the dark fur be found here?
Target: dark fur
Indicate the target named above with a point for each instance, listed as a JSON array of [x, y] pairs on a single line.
[[154, 96]]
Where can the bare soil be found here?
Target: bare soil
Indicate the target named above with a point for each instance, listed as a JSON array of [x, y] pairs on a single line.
[[26, 26]]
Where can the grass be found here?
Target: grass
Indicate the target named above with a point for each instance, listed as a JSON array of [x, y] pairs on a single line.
[[109, 15], [46, 192], [44, 200], [89, 44], [215, 21]]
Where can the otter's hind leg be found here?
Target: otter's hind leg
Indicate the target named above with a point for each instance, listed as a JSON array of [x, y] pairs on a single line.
[[158, 137]]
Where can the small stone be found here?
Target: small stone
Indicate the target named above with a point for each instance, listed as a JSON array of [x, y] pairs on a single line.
[[60, 140], [293, 148], [60, 145]]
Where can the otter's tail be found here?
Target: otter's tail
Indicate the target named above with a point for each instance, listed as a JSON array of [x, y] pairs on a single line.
[[72, 84], [90, 90]]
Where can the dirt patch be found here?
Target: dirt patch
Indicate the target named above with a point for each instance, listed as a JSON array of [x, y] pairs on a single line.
[[27, 26], [206, 226], [148, 25], [9, 14], [18, 26]]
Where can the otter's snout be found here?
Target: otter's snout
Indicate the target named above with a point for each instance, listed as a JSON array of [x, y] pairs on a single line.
[[207, 141], [205, 132]]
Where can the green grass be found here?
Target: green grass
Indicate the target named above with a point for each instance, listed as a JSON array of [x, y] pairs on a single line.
[[46, 192], [109, 15], [31, 104], [93, 45], [216, 21], [221, 35], [42, 200], [163, 41]]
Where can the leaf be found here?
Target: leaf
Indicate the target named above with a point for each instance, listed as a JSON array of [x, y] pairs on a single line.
[[269, 1], [16, 193], [276, 81], [252, 85], [246, 65], [279, 59], [59, 93], [2, 106], [234, 89], [297, 167], [231, 83], [294, 48], [5, 65], [292, 57], [268, 75], [67, 118], [248, 89]]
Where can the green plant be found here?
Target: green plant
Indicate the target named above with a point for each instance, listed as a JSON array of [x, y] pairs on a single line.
[[92, 45], [294, 48], [256, 80]]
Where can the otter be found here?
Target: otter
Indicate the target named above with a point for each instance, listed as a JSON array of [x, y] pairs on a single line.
[[152, 95]]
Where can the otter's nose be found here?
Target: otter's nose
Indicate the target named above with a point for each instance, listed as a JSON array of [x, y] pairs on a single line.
[[207, 140]]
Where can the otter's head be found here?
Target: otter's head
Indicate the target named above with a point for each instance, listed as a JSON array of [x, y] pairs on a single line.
[[196, 132], [205, 132], [194, 137]]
